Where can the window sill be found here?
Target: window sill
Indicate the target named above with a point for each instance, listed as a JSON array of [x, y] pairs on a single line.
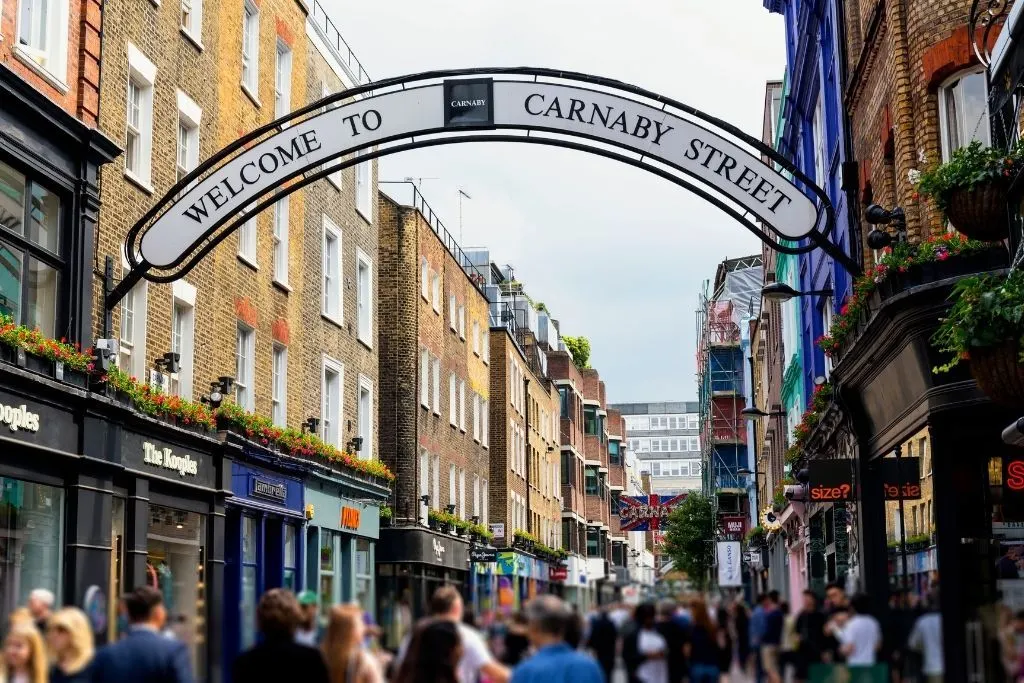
[[476, 353], [437, 412], [247, 261], [425, 297], [365, 215], [138, 182], [332, 319], [155, 3], [425, 406], [335, 181], [462, 429], [196, 42], [437, 310], [368, 345], [251, 95], [283, 286], [25, 58]]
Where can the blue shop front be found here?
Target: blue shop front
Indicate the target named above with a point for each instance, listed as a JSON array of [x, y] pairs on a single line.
[[264, 544]]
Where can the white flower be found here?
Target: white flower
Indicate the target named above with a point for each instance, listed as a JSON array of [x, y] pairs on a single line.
[[922, 158], [914, 176]]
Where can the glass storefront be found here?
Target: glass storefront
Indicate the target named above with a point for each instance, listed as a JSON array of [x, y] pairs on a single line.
[[328, 562], [30, 541], [364, 576], [174, 565], [250, 540]]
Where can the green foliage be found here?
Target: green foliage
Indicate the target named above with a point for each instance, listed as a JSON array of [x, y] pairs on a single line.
[[756, 536], [690, 537], [386, 513], [968, 167], [987, 311], [579, 347], [541, 308]]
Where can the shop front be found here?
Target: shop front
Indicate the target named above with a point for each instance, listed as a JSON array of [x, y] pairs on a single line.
[[576, 586], [263, 543], [484, 584], [413, 562], [342, 539], [168, 530]]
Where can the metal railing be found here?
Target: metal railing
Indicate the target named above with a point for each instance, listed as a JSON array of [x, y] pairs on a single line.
[[336, 44], [419, 202]]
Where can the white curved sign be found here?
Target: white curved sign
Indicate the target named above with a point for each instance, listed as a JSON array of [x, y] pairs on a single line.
[[724, 166]]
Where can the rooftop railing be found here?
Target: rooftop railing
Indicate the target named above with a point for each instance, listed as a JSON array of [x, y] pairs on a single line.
[[336, 44]]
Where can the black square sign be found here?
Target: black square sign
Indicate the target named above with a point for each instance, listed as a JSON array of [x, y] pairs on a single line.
[[469, 103], [831, 481]]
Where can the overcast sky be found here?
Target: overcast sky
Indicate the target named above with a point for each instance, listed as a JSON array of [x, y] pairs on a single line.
[[617, 254]]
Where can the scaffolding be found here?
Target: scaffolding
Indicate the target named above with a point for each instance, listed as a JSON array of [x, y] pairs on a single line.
[[721, 309]]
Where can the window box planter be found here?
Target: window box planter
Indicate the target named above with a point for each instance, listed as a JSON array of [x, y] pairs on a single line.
[[37, 364], [71, 376], [8, 354]]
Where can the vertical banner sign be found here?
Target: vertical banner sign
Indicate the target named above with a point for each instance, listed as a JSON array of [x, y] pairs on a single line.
[[830, 481], [1013, 488], [901, 474], [730, 574]]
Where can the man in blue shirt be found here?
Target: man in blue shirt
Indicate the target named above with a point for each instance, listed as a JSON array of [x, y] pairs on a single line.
[[548, 618]]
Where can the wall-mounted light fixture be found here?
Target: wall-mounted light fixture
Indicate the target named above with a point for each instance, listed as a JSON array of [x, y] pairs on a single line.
[[311, 425], [170, 362], [218, 391], [875, 215]]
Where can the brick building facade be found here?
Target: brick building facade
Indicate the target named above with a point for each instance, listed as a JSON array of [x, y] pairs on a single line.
[[570, 388]]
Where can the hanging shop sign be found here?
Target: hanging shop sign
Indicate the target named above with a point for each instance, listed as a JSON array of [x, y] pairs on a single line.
[[901, 478], [733, 525], [830, 480], [646, 513], [558, 573], [498, 529], [1013, 488], [730, 572], [262, 487]]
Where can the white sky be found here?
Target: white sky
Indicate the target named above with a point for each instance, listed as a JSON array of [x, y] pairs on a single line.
[[617, 254]]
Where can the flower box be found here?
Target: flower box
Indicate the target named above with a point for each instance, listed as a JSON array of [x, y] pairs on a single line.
[[8, 354], [71, 376], [38, 364]]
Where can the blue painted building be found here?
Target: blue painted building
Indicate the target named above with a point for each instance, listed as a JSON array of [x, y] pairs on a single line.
[[811, 133]]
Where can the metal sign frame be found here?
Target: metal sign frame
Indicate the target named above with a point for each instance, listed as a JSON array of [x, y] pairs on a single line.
[[302, 173]]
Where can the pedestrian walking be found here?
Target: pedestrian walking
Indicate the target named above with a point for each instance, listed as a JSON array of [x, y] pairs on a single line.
[[40, 606], [434, 653], [24, 657], [773, 621], [704, 649], [144, 654], [675, 635], [926, 638], [344, 648], [308, 631], [516, 644], [790, 639], [548, 620], [837, 611], [860, 638], [475, 658], [277, 656], [603, 642], [811, 639], [69, 640]]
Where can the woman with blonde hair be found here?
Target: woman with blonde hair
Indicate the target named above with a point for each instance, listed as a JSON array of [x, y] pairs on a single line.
[[347, 660], [24, 657], [69, 638]]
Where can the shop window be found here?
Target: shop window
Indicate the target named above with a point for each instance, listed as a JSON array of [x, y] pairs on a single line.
[[364, 297], [963, 111], [279, 385], [192, 19], [280, 240], [364, 189], [365, 416], [175, 562], [250, 49], [116, 585], [43, 36], [30, 541], [30, 244], [282, 80], [245, 343], [330, 410], [332, 271], [250, 589], [328, 566], [591, 481], [290, 557], [364, 576]]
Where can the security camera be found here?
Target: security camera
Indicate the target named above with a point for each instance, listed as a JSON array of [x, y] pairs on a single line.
[[1013, 435]]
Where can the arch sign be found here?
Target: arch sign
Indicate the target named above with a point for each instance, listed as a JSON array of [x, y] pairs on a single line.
[[707, 156]]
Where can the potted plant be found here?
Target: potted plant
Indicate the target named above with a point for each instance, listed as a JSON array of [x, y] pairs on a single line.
[[756, 537], [436, 519], [461, 526], [386, 515], [971, 188], [984, 325]]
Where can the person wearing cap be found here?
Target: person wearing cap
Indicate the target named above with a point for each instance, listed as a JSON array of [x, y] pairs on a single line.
[[308, 632]]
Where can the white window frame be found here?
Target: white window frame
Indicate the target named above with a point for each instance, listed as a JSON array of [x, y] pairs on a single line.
[[331, 232], [435, 292], [953, 87], [486, 504], [462, 493], [425, 378], [437, 481], [334, 177], [425, 278], [826, 325], [247, 241], [476, 338], [336, 368], [485, 344], [476, 417], [183, 298], [246, 356], [424, 482], [364, 187], [452, 476], [453, 406], [435, 382], [190, 116], [282, 79], [485, 416], [44, 48], [462, 323], [279, 236], [476, 495], [368, 449], [193, 27], [251, 50], [453, 305], [364, 298], [462, 406], [820, 141], [279, 384], [141, 74], [134, 360]]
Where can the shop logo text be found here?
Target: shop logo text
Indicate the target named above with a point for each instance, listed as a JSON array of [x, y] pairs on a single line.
[[164, 457], [18, 417]]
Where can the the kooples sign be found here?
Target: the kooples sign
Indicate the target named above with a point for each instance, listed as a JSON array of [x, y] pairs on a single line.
[[830, 481], [168, 459], [18, 417], [341, 130]]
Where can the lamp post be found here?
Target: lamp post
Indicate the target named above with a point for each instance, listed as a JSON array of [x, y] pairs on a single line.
[[781, 292]]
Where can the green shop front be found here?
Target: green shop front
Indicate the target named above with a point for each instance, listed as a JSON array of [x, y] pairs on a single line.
[[341, 538]]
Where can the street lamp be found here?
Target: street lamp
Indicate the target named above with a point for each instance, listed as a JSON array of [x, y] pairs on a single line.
[[746, 472], [876, 215], [780, 291], [753, 412]]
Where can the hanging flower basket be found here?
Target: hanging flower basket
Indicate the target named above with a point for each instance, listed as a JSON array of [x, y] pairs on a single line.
[[980, 211], [998, 372]]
